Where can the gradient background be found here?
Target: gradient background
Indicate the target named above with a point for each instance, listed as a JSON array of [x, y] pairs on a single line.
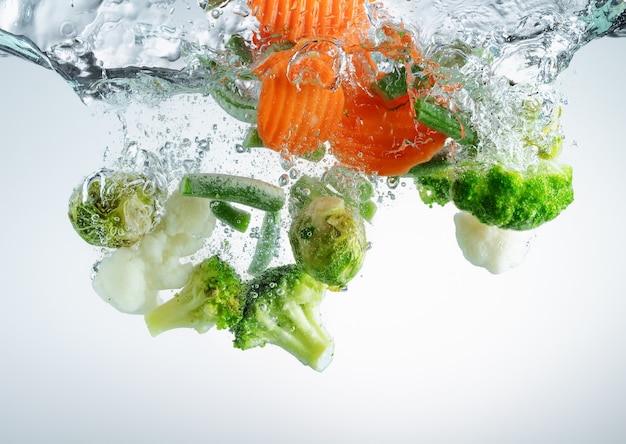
[[429, 349]]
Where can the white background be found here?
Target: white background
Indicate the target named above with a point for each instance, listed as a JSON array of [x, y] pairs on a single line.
[[429, 349]]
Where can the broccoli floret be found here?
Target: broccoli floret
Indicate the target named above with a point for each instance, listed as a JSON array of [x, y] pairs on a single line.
[[435, 188], [282, 308], [213, 296], [511, 199], [115, 209]]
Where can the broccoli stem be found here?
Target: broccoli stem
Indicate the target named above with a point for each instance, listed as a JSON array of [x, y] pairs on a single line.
[[445, 121], [299, 331], [244, 190], [175, 314], [230, 215], [267, 244]]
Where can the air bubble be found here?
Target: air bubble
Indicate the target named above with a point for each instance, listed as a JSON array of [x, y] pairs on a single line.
[[392, 182], [67, 30], [283, 180]]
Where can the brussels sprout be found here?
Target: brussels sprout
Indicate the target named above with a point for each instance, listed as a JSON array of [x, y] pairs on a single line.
[[115, 209], [328, 240]]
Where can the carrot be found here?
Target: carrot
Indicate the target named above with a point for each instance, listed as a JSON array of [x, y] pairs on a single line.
[[294, 19], [306, 101], [299, 102], [382, 137]]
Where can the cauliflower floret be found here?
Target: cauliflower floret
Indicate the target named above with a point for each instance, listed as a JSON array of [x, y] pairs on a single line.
[[493, 248], [121, 281], [130, 278], [188, 222]]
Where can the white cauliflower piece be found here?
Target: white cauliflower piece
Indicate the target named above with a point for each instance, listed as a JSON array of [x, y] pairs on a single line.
[[121, 281], [188, 222], [130, 278], [493, 248]]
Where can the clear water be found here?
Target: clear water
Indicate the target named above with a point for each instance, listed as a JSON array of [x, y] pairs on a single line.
[[140, 63]]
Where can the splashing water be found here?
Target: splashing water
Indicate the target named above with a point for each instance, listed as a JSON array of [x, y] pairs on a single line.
[[168, 70]]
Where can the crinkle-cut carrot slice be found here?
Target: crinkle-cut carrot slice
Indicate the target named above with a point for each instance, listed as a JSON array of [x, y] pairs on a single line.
[[300, 102], [382, 137], [295, 19]]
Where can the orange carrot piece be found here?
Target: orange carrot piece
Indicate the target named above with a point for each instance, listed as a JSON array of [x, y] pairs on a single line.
[[299, 103], [292, 20], [382, 137]]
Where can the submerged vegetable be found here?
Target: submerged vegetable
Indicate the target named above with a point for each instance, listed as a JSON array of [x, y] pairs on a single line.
[[115, 209], [298, 99], [382, 137], [282, 308], [328, 240], [130, 278], [511, 199], [211, 298], [496, 249], [294, 19], [251, 192]]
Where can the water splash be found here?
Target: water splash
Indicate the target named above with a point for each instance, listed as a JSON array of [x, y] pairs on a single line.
[[151, 61]]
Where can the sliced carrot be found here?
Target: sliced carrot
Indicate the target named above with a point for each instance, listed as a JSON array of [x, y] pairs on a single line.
[[300, 101], [292, 20], [306, 101], [382, 137]]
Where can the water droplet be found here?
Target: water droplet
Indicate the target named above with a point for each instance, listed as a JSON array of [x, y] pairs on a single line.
[[216, 13]]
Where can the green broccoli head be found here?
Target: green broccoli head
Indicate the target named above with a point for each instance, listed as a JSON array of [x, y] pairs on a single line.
[[115, 209], [328, 240], [511, 199], [213, 296], [282, 308]]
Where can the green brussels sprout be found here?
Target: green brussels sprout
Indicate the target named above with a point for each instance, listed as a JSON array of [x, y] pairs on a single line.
[[115, 209], [328, 240]]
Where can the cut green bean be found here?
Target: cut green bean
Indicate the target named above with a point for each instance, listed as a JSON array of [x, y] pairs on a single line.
[[230, 215], [237, 189], [252, 139], [209, 5], [367, 210], [230, 100], [316, 155], [267, 243], [433, 166], [238, 45], [392, 85], [441, 119]]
